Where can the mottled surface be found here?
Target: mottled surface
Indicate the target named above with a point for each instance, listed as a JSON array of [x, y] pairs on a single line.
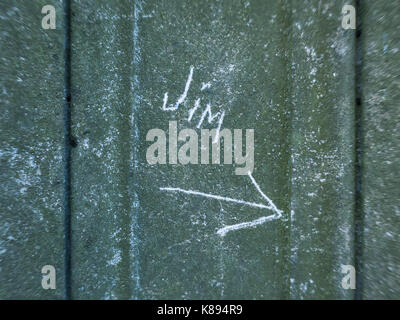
[[381, 149], [240, 48], [102, 102], [31, 151], [283, 68], [271, 66], [322, 151]]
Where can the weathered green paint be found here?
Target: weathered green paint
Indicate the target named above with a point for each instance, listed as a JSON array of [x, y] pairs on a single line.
[[322, 150], [31, 154], [274, 67], [283, 68], [380, 149], [240, 48], [102, 102]]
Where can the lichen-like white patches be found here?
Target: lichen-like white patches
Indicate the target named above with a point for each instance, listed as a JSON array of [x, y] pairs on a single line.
[[116, 258]]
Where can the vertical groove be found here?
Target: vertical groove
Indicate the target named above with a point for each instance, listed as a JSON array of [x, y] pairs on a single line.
[[287, 45], [135, 204], [359, 215], [67, 147]]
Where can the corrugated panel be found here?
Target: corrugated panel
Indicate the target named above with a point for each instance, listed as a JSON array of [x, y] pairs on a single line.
[[31, 98], [380, 149], [322, 150], [102, 103], [325, 149], [238, 52], [275, 67]]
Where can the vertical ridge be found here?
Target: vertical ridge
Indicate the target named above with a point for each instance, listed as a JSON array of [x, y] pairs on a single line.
[[67, 146], [359, 217], [134, 150]]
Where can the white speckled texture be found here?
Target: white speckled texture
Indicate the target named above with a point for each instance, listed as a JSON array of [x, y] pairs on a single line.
[[31, 151], [381, 149]]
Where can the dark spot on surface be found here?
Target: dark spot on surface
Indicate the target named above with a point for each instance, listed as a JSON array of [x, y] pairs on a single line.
[[358, 101], [358, 33], [73, 142]]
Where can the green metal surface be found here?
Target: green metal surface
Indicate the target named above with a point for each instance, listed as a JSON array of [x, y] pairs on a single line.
[[273, 67], [286, 69], [31, 151], [239, 48], [102, 102], [322, 151], [381, 141]]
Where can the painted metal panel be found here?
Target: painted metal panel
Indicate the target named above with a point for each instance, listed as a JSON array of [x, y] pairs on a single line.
[[380, 149], [162, 210], [31, 152], [275, 67]]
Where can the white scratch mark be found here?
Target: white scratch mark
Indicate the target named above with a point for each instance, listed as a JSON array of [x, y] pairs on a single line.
[[221, 119], [223, 231], [206, 112], [182, 97], [211, 118], [212, 196], [272, 205], [205, 86], [193, 110]]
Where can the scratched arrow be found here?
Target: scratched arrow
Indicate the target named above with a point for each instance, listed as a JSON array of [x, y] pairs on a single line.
[[223, 231]]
